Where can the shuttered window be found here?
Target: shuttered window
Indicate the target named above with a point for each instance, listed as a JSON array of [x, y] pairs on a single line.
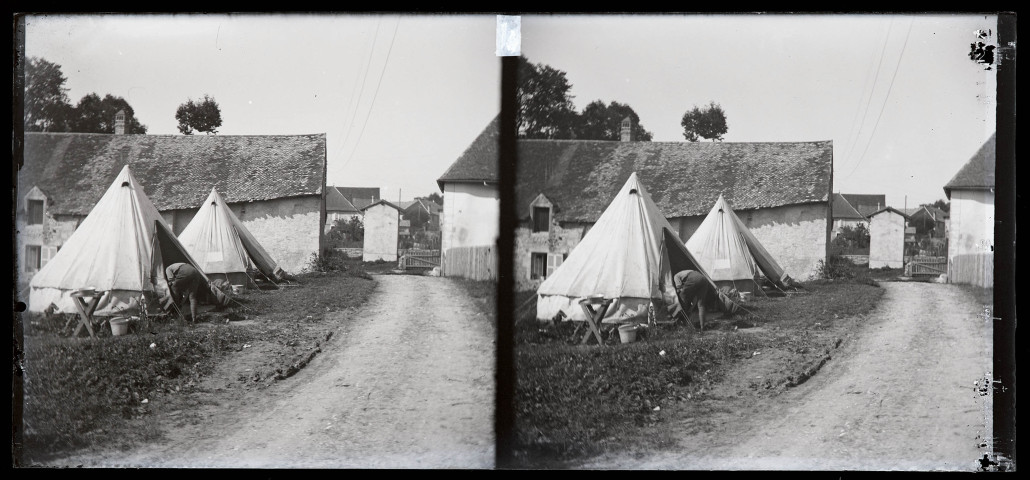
[[541, 219], [538, 266], [35, 212], [33, 258]]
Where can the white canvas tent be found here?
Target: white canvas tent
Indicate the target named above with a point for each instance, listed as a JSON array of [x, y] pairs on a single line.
[[122, 246], [223, 247], [630, 255], [731, 254]]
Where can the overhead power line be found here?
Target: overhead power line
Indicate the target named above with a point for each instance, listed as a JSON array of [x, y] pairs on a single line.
[[885, 99], [374, 95], [361, 93], [876, 78]]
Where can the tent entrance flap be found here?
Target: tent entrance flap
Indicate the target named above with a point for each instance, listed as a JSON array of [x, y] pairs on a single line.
[[676, 258]]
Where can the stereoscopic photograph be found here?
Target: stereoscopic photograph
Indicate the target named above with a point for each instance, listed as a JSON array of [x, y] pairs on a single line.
[[722, 242]]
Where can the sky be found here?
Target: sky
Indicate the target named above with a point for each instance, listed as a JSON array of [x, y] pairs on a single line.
[[898, 95], [399, 97]]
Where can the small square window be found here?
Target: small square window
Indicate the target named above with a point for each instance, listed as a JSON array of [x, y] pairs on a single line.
[[35, 212], [33, 258], [538, 266], [541, 219]]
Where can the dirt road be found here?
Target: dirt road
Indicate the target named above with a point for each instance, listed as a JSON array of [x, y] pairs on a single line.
[[407, 383], [904, 395]]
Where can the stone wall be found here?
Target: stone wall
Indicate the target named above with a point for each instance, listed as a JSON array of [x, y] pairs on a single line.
[[556, 243], [797, 236]]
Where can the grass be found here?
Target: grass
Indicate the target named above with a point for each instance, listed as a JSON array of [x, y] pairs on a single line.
[[83, 393], [574, 402]]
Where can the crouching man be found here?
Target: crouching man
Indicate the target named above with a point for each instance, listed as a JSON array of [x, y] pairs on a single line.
[[694, 290], [185, 283]]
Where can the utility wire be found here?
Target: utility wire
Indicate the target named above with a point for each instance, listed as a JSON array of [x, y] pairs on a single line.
[[885, 99], [361, 92], [876, 77], [354, 89], [374, 95], [852, 134]]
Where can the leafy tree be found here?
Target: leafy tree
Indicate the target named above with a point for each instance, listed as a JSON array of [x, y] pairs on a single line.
[[433, 197], [708, 123], [545, 108], [47, 107], [200, 116], [97, 115], [604, 122], [355, 229], [942, 204]]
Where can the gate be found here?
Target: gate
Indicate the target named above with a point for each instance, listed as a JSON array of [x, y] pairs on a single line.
[[921, 265], [420, 259]]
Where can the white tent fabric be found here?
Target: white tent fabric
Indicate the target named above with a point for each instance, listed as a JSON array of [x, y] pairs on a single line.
[[730, 253], [121, 247], [222, 246], [625, 257]]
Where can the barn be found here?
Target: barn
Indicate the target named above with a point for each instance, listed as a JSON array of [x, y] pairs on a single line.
[[971, 234], [782, 191], [274, 184]]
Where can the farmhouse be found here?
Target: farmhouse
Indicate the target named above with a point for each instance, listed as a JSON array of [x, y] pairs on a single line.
[[971, 232], [470, 218], [781, 191], [273, 183]]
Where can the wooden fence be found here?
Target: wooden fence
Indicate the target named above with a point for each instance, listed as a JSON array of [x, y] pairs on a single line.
[[974, 269], [473, 263], [927, 265], [416, 259]]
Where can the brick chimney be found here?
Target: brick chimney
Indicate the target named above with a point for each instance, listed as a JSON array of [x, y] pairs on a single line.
[[119, 123], [627, 130]]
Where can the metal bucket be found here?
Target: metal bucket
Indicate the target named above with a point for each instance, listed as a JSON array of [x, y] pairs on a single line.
[[628, 333], [119, 326]]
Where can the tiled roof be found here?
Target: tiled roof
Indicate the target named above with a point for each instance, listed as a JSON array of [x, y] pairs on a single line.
[[384, 202], [479, 161], [350, 193], [889, 209], [361, 203], [978, 173], [336, 202], [176, 171], [866, 204], [581, 177], [405, 204], [842, 209]]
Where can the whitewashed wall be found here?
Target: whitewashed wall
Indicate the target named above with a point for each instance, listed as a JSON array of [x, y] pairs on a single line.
[[382, 224], [886, 240], [470, 217]]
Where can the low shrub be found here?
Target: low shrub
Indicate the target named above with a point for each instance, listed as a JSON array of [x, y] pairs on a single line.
[[836, 267]]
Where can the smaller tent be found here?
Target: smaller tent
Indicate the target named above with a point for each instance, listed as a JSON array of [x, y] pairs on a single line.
[[731, 254], [223, 247], [630, 255], [122, 246]]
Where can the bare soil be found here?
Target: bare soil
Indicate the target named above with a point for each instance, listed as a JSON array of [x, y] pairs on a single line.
[[404, 381], [909, 391]]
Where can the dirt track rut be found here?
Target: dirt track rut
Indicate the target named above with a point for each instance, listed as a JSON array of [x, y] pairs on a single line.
[[408, 383], [905, 395]]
